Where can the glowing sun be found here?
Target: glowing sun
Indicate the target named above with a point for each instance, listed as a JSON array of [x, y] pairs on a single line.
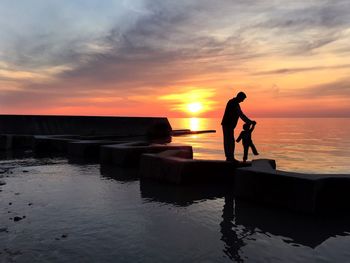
[[195, 107]]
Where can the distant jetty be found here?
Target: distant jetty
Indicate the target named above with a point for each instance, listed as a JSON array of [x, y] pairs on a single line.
[[144, 143]]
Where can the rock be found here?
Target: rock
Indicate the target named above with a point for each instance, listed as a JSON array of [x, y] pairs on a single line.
[[17, 218]]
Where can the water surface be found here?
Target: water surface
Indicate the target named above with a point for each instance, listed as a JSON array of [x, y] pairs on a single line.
[[73, 213], [315, 145]]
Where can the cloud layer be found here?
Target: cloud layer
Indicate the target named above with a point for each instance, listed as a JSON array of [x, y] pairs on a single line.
[[64, 55]]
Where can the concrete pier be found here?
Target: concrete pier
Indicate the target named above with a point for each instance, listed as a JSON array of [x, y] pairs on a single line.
[[52, 133], [84, 125], [121, 142]]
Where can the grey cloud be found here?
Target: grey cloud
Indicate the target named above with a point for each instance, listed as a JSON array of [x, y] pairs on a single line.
[[181, 26], [307, 26], [297, 70], [162, 42], [338, 89], [316, 14]]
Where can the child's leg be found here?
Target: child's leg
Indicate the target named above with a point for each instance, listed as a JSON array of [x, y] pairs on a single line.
[[245, 152], [255, 152]]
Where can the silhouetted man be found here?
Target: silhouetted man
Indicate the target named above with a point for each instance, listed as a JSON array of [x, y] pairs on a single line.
[[229, 121]]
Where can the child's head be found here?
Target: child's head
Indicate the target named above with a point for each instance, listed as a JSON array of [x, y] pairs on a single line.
[[246, 126]]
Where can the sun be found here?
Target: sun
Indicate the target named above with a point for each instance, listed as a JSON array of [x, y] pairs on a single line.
[[195, 107]]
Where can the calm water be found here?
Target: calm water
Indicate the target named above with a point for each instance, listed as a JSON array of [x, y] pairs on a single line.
[[305, 145], [73, 213]]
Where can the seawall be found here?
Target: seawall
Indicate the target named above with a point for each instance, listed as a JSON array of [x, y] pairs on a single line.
[[83, 125]]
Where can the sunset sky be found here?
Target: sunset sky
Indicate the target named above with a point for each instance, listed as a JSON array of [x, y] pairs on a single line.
[[172, 58]]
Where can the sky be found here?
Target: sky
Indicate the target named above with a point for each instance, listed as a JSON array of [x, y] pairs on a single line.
[[183, 58]]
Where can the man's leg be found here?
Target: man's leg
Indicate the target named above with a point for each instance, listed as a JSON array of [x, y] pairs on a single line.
[[229, 142]]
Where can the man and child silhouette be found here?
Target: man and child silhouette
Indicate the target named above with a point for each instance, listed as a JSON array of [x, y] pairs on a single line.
[[229, 122]]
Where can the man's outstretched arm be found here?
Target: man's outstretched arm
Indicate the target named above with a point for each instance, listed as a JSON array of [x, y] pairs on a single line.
[[243, 116]]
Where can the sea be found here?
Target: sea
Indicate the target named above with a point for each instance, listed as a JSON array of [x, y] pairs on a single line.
[[54, 211], [308, 145]]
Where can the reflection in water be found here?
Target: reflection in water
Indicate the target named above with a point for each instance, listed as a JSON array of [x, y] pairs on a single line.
[[242, 222], [229, 231], [187, 195], [179, 195], [195, 124], [127, 220], [310, 231], [119, 174]]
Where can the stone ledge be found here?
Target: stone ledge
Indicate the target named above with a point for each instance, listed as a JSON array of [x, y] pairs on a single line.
[[15, 142], [53, 144], [309, 193], [171, 167], [87, 150], [129, 154], [84, 125]]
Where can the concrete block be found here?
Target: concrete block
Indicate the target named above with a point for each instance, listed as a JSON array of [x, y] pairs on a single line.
[[170, 167], [333, 194], [129, 154], [52, 144], [308, 193], [5, 142], [272, 187], [15, 142], [22, 142], [87, 150]]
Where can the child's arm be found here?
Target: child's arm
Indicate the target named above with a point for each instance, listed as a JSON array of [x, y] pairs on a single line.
[[239, 137]]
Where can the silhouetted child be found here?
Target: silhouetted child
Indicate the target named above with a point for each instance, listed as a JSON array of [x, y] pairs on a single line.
[[246, 137]]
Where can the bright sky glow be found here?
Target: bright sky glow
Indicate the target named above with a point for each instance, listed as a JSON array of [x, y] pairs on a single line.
[[157, 57]]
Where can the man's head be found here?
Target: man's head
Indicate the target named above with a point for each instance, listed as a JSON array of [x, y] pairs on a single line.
[[241, 96]]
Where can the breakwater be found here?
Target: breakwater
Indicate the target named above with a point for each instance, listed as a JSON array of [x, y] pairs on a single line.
[[145, 145]]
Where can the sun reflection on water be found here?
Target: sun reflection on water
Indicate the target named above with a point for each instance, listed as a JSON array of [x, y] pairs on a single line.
[[194, 123]]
